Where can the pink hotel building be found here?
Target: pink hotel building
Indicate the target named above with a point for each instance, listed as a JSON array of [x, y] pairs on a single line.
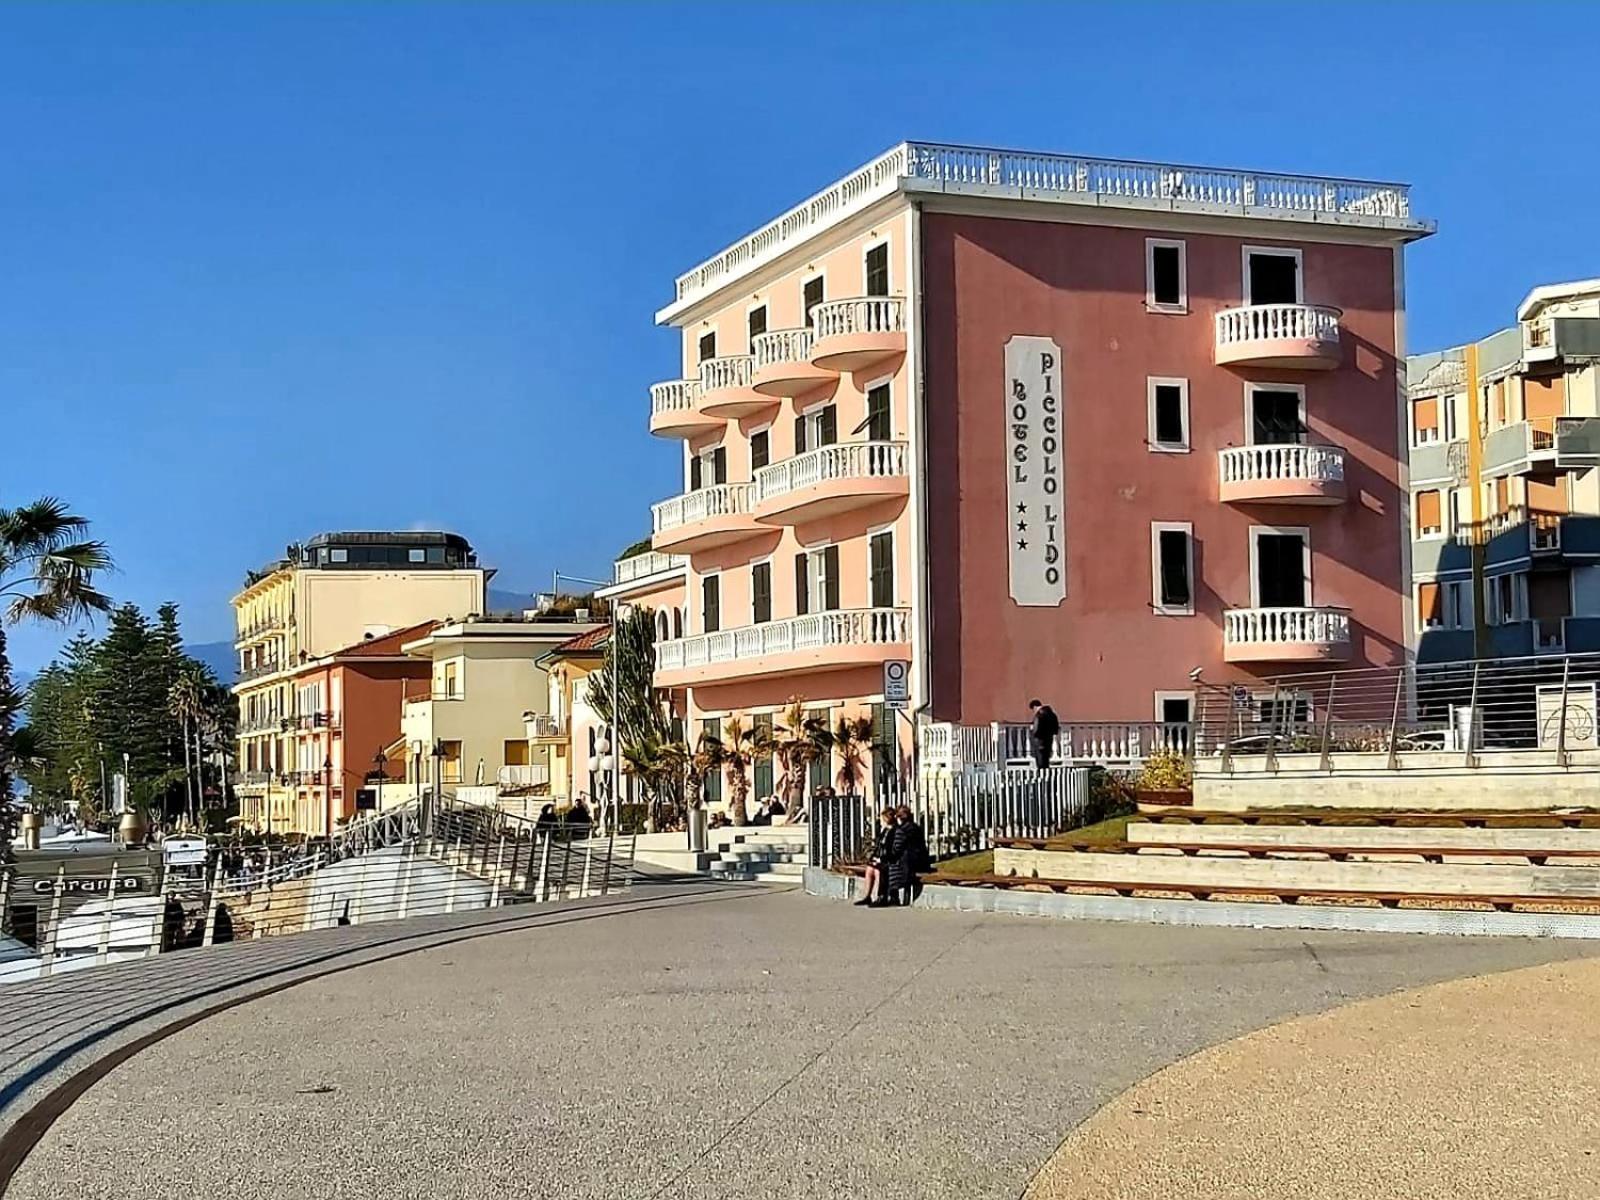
[[1043, 426]]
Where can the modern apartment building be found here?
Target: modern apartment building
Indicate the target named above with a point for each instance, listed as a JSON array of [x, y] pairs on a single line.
[[347, 713], [466, 723], [1044, 426], [329, 592], [1505, 497]]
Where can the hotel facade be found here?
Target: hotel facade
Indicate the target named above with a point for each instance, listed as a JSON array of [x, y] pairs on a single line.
[[1040, 426]]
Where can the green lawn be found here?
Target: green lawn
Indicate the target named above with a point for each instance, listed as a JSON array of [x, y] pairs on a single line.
[[1114, 829]]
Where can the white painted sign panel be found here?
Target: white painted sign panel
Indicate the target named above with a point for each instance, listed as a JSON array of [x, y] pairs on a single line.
[[1035, 486], [896, 683]]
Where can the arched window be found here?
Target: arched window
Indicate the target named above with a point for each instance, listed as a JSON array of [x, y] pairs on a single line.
[[662, 629], [677, 622]]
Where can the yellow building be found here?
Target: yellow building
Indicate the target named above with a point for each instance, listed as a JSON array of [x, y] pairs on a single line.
[[329, 592]]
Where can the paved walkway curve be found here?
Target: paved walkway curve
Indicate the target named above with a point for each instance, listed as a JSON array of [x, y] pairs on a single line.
[[1477, 1089], [749, 1042]]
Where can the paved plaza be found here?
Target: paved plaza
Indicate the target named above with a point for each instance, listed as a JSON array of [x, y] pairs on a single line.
[[693, 1041]]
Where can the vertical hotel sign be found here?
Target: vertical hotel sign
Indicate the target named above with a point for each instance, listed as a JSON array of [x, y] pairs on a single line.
[[1035, 486]]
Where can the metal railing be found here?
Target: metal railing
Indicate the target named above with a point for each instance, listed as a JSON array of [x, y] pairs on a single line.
[[842, 460], [545, 725], [1470, 709], [259, 671], [959, 814]]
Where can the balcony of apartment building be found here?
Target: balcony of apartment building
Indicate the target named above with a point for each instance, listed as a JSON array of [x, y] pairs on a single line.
[[1542, 445], [831, 479], [1281, 473], [651, 563], [263, 627], [824, 641], [675, 409], [1282, 624], [1549, 339], [1275, 327], [259, 670], [704, 517], [783, 366], [725, 388], [857, 333], [546, 729]]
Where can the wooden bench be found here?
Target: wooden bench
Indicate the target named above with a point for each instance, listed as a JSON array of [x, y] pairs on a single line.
[[1069, 845], [1444, 818]]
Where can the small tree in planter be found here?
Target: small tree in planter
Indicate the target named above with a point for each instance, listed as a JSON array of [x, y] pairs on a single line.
[[852, 741], [1166, 780]]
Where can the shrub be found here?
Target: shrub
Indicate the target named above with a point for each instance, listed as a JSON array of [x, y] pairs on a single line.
[[1165, 771], [1109, 796]]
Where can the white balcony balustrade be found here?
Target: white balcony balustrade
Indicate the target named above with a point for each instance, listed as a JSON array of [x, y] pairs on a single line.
[[1281, 473], [858, 332], [705, 517], [675, 409], [821, 641], [830, 479], [1286, 635], [725, 390], [1278, 335], [642, 566], [783, 363]]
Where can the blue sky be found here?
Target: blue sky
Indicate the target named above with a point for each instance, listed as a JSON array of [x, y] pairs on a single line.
[[266, 270]]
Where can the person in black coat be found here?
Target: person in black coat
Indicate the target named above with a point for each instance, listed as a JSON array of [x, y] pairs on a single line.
[[899, 863], [1043, 729]]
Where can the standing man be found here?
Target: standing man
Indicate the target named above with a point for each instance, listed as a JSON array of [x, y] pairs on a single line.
[[1042, 732]]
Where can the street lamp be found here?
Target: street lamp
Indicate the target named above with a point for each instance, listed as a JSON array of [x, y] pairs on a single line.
[[327, 794]]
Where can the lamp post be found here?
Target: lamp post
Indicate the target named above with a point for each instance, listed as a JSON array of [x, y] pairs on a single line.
[[327, 794]]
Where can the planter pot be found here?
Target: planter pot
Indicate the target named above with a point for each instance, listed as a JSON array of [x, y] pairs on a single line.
[[697, 829], [132, 829], [1164, 797], [32, 822]]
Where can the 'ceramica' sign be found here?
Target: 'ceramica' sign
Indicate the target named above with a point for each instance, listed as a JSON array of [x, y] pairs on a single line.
[[1035, 486]]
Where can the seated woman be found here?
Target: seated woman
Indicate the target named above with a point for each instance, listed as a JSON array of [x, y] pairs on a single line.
[[875, 895]]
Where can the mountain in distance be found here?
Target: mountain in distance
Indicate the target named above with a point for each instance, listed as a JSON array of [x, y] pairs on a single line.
[[502, 600]]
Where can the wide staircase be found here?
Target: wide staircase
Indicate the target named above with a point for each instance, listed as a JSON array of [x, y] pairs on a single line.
[[776, 854], [1464, 860]]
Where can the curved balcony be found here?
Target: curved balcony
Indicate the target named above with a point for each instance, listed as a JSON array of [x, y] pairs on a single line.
[[1286, 635], [783, 364], [674, 409], [826, 641], [851, 335], [1281, 474], [1303, 336], [830, 479], [703, 518], [725, 390]]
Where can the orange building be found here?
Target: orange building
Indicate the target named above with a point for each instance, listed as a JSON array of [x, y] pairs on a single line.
[[349, 705]]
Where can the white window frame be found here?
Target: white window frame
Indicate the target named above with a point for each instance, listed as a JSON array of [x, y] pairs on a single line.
[[1256, 533], [894, 566], [816, 552], [1436, 533], [1162, 697], [1152, 382], [338, 554], [867, 248], [1182, 247], [1438, 430], [1518, 611], [1251, 387], [1281, 252], [1157, 528]]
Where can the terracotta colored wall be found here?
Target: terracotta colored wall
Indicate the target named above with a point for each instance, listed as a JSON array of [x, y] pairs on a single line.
[[1103, 653], [372, 701]]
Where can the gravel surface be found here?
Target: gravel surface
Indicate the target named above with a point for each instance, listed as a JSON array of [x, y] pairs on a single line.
[[767, 1044], [1479, 1089]]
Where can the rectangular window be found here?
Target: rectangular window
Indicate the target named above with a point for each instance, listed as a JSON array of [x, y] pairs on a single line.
[[339, 555], [816, 580], [417, 555], [815, 429], [711, 789], [1277, 416], [450, 762], [711, 604], [1166, 282], [802, 583], [880, 569], [1172, 562], [452, 679], [877, 270], [810, 297], [760, 450], [708, 345], [879, 424], [515, 753], [719, 465], [1168, 401], [1279, 565], [1271, 276], [761, 593], [1430, 517], [1425, 420], [756, 321], [1430, 606]]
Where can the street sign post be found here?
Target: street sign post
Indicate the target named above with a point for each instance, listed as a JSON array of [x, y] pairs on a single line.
[[897, 684]]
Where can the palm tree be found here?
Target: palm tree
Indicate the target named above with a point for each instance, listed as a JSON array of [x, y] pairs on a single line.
[[706, 757], [802, 741], [742, 745], [47, 569], [187, 701], [852, 739], [658, 765]]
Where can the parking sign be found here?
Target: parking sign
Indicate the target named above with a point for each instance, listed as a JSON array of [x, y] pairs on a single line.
[[897, 683]]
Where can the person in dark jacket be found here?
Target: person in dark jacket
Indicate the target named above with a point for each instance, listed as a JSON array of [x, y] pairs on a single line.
[[915, 851], [875, 892], [897, 866], [1042, 732]]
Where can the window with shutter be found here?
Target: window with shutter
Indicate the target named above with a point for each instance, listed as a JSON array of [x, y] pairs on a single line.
[[802, 583], [761, 593], [711, 604], [757, 324], [708, 345], [810, 297], [879, 425], [881, 574], [1430, 611], [1430, 521], [760, 450], [712, 787], [696, 473], [828, 426], [830, 578], [800, 446], [877, 271], [762, 781], [719, 465]]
